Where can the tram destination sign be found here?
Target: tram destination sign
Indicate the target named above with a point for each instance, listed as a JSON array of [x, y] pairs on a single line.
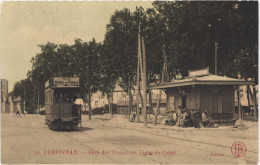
[[65, 81]]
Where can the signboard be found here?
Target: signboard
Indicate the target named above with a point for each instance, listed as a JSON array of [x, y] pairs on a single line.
[[66, 81], [200, 72]]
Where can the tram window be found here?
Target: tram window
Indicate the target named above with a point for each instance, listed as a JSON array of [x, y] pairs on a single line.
[[65, 95]]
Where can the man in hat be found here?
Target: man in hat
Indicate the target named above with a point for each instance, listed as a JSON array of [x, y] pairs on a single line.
[[79, 103], [195, 115], [207, 120]]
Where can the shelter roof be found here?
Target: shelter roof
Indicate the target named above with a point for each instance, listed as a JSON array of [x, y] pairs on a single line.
[[204, 80]]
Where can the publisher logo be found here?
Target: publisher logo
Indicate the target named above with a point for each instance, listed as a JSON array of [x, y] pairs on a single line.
[[238, 149]]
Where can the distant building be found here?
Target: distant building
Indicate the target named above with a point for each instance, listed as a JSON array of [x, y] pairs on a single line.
[[120, 98], [244, 96], [4, 88], [99, 100]]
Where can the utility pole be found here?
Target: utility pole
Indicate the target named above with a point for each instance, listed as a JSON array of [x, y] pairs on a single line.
[[216, 58], [239, 107], [163, 79], [138, 76], [144, 84]]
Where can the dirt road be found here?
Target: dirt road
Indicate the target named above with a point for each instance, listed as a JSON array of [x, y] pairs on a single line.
[[27, 140]]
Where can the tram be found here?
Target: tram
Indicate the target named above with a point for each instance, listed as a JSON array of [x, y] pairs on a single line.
[[60, 110]]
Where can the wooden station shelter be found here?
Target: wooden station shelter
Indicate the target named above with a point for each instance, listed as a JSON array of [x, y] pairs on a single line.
[[212, 93]]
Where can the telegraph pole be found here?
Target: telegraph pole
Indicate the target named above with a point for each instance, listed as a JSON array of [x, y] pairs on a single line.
[[164, 78], [239, 107], [144, 84], [138, 75]]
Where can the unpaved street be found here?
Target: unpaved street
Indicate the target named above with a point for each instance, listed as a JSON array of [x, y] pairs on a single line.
[[27, 140]]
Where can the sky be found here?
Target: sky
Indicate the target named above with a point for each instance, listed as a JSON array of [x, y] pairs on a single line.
[[25, 25]]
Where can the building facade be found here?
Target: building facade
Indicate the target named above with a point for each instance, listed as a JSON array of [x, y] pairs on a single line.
[[4, 88], [121, 99]]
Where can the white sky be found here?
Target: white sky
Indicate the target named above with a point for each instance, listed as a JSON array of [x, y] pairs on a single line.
[[24, 25]]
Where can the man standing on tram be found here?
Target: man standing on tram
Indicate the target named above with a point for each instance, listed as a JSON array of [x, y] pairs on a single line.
[[79, 103]]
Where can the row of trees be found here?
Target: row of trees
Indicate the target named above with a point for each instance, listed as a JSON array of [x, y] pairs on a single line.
[[189, 31]]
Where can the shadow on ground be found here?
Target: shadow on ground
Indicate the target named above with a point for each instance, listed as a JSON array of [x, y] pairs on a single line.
[[78, 129]]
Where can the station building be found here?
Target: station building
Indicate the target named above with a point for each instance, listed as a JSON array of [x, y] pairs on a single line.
[[212, 93]]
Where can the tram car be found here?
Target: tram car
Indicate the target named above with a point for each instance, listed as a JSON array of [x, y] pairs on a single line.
[[60, 110]]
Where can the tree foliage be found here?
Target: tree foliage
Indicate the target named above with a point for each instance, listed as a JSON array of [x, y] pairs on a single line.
[[194, 27], [188, 30]]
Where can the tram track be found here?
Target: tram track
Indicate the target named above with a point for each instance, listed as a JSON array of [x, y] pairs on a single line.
[[190, 140], [116, 146], [169, 141]]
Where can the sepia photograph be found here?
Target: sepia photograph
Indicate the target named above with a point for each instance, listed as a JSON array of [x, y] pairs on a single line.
[[129, 82]]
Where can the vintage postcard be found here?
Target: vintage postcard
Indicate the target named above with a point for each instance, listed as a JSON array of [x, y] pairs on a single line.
[[129, 82]]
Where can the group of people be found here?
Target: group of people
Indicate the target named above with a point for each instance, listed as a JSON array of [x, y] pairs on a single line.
[[188, 118]]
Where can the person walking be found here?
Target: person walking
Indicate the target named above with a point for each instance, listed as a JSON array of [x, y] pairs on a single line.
[[18, 113]]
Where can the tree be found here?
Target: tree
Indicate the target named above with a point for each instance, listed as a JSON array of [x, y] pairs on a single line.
[[85, 62], [53, 61], [192, 28], [25, 90], [121, 40], [108, 73]]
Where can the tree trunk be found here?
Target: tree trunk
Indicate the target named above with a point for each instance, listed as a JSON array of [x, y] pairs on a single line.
[[254, 100], [89, 104], [109, 103], [130, 103], [166, 75], [129, 99], [248, 98], [157, 107], [150, 102], [111, 98], [255, 103]]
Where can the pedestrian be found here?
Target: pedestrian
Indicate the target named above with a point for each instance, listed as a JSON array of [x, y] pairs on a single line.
[[18, 113], [195, 115], [171, 118], [187, 118], [179, 114], [79, 103]]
